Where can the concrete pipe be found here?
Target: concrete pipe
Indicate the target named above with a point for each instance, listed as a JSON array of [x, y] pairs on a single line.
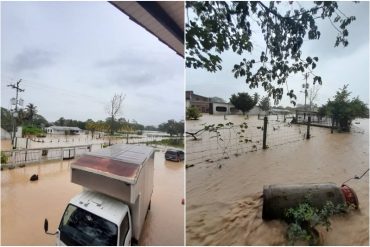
[[278, 198]]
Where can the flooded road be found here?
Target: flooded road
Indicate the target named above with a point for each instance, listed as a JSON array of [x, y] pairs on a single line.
[[224, 204], [25, 204]]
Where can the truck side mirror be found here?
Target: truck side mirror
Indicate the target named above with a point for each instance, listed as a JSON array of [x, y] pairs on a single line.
[[46, 225], [46, 228]]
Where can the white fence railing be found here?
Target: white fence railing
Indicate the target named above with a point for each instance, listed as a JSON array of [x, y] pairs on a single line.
[[27, 156]]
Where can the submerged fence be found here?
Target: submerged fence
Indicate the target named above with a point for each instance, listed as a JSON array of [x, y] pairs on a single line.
[[18, 157], [316, 119], [221, 141], [28, 156]]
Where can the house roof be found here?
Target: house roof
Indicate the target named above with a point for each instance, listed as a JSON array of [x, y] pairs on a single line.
[[63, 128], [165, 20]]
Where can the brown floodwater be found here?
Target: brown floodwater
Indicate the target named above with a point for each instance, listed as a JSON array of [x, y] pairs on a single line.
[[224, 204], [25, 204]]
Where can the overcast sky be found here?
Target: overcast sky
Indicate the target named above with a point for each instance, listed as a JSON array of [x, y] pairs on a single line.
[[337, 66], [74, 56]]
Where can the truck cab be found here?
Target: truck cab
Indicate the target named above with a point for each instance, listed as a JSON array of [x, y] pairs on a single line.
[[112, 208], [92, 218]]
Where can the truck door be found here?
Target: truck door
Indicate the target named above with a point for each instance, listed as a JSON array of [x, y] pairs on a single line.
[[125, 231]]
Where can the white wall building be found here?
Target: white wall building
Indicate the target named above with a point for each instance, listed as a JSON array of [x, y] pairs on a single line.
[[219, 108], [5, 135], [62, 130]]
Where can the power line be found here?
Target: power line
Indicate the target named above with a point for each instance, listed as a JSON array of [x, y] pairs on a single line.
[[36, 85]]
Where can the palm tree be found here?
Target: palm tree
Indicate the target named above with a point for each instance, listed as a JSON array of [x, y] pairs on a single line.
[[31, 111]]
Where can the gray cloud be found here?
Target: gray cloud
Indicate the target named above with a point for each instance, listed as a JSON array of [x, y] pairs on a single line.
[[141, 68], [31, 59], [95, 58]]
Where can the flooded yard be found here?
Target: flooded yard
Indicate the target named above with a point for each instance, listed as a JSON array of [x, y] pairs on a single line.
[[53, 140], [25, 204], [224, 204]]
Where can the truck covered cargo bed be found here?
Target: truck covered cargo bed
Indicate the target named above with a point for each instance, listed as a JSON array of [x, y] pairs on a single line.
[[115, 171], [124, 172]]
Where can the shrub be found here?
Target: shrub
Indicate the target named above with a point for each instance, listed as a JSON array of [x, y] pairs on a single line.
[[304, 219], [193, 113], [32, 130], [345, 109], [4, 158]]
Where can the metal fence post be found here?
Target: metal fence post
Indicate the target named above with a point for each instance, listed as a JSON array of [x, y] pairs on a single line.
[[308, 127], [332, 124], [264, 132], [16, 142], [25, 155]]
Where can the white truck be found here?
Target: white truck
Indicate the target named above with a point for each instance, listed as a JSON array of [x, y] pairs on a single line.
[[111, 209]]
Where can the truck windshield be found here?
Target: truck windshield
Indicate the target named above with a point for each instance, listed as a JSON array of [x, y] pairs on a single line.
[[80, 227]]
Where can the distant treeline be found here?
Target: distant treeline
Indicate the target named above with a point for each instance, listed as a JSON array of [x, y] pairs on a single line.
[[29, 117]]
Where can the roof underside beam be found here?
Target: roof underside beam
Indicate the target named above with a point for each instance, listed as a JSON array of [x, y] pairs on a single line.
[[165, 20], [161, 16]]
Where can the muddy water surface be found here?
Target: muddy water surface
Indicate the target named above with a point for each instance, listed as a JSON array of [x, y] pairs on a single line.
[[25, 204], [165, 222], [224, 204]]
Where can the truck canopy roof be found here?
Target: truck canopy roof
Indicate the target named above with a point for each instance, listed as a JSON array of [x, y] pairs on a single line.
[[101, 205], [122, 162], [126, 153]]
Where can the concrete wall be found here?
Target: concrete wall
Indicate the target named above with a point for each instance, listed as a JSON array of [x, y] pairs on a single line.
[[5, 135], [220, 108]]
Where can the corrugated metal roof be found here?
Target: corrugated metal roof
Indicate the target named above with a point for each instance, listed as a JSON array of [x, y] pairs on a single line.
[[120, 161], [165, 20], [63, 128], [125, 153]]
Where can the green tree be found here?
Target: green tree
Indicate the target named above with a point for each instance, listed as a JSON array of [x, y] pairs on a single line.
[[322, 111], [91, 126], [101, 126], [193, 113], [215, 27], [243, 101], [150, 128], [6, 119], [264, 104], [180, 127], [60, 122], [31, 111], [21, 117], [344, 109], [136, 126], [172, 127]]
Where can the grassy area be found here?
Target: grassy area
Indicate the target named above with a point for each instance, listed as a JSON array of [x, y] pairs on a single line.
[[178, 143]]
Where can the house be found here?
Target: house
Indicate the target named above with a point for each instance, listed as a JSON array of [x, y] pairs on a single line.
[[201, 102], [63, 130], [222, 108]]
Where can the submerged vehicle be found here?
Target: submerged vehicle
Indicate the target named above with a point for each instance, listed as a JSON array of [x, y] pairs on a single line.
[[174, 155], [111, 209]]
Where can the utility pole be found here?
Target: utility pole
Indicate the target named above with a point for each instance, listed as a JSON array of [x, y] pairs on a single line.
[[18, 89], [305, 86], [305, 92]]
